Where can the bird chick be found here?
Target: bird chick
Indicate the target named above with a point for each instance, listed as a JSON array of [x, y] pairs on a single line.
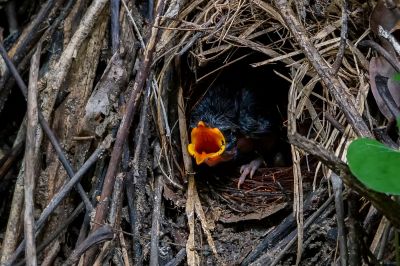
[[230, 124]]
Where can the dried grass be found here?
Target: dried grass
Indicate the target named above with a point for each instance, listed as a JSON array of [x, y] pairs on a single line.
[[210, 30]]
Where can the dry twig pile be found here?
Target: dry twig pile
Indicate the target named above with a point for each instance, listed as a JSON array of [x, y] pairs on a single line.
[[106, 176]]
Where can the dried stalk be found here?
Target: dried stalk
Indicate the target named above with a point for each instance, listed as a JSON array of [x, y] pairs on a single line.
[[355, 242], [382, 202], [384, 53], [156, 217], [342, 97], [56, 75], [56, 234], [46, 128], [137, 179], [337, 185], [115, 28], [31, 160], [308, 222], [343, 39], [26, 41], [57, 199], [192, 255], [12, 232], [102, 234], [126, 122], [288, 224], [178, 258]]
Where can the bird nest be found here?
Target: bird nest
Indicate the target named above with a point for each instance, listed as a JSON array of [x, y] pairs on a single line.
[[215, 37], [306, 54], [310, 53]]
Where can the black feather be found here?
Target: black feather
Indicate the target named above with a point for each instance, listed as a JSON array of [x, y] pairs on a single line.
[[255, 119], [234, 112]]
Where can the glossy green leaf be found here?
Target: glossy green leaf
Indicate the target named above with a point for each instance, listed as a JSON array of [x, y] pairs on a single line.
[[396, 77], [375, 165]]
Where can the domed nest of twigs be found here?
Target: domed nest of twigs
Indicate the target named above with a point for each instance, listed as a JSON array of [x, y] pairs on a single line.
[[116, 82]]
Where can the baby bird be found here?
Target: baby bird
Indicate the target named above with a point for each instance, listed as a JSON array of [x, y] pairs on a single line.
[[230, 124]]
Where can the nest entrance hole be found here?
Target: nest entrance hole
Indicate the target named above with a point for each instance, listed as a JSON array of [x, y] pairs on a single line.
[[274, 180]]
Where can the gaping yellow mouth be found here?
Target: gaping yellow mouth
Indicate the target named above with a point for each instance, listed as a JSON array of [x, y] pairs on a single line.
[[206, 143]]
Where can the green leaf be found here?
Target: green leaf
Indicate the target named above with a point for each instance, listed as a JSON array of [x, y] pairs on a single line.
[[396, 77], [375, 165], [398, 123]]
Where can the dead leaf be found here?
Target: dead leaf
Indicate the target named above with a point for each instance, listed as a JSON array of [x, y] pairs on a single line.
[[261, 213], [380, 67]]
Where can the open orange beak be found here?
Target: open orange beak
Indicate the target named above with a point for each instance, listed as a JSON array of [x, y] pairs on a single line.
[[206, 143]]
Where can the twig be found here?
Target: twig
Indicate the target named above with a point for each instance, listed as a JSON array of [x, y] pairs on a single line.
[[298, 205], [10, 159], [287, 225], [57, 199], [126, 122], [12, 232], [51, 254], [343, 39], [382, 202], [11, 16], [384, 53], [100, 172], [124, 250], [180, 256], [33, 31], [69, 185], [60, 229], [396, 244], [133, 217], [102, 254], [135, 27], [8, 83], [46, 128], [114, 217], [343, 98], [385, 34], [137, 179], [157, 215], [155, 226], [193, 204], [378, 235], [371, 220], [337, 186], [25, 43], [116, 202], [57, 74], [192, 255], [307, 223], [334, 122], [354, 235], [71, 217], [30, 160], [153, 79], [383, 242], [164, 132], [159, 104], [115, 5], [383, 90], [102, 234]]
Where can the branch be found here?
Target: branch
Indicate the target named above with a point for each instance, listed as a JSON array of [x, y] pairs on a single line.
[[382, 202], [102, 234], [126, 122], [343, 98], [30, 160]]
